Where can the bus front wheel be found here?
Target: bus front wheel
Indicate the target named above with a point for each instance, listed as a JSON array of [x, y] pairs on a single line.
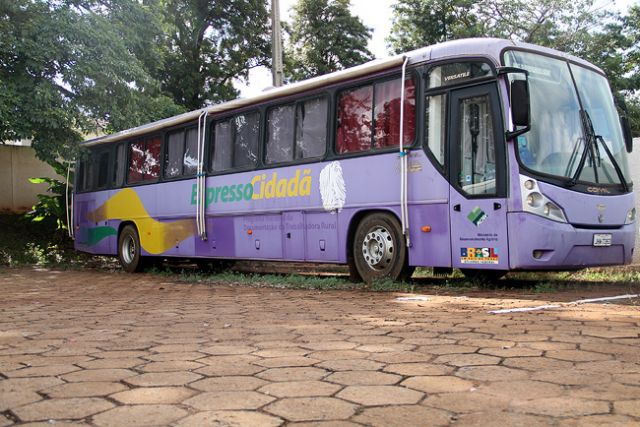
[[129, 250], [379, 250]]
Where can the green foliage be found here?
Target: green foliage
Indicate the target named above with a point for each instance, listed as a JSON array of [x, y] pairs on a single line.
[[324, 37], [51, 207], [209, 44]]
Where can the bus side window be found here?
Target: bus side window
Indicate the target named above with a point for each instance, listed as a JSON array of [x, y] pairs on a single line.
[[152, 159], [175, 152], [136, 162], [144, 160], [222, 147], [311, 128], [245, 147], [387, 113], [355, 116], [435, 125], [190, 160], [119, 169], [280, 130], [103, 169]]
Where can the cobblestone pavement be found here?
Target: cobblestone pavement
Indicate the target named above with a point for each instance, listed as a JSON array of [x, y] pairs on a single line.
[[110, 349]]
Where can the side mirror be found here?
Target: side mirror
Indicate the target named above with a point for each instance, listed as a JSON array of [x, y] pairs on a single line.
[[626, 132], [520, 106]]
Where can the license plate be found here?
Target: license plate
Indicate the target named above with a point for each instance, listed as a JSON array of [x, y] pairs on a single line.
[[602, 240]]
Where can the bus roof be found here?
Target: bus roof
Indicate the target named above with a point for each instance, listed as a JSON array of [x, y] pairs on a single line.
[[488, 47]]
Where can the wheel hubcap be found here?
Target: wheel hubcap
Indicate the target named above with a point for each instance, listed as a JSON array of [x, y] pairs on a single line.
[[377, 248], [128, 249]]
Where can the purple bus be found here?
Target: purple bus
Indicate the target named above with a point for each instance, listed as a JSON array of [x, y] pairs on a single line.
[[483, 155]]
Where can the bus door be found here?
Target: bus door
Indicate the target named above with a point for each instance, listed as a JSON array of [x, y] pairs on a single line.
[[477, 173]]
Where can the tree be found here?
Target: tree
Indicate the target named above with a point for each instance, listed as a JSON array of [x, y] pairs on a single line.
[[66, 70], [419, 23], [210, 44], [324, 37]]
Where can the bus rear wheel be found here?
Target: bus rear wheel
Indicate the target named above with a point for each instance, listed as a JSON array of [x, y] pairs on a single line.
[[379, 251], [129, 250]]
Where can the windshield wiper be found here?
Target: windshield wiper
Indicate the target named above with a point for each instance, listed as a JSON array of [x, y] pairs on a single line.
[[591, 147]]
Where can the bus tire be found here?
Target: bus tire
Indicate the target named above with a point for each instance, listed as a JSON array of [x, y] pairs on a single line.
[[129, 250], [379, 250]]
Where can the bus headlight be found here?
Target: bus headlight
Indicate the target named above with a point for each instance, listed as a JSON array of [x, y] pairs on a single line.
[[631, 217], [537, 203]]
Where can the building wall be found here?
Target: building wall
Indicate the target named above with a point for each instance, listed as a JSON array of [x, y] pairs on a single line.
[[634, 166], [17, 165]]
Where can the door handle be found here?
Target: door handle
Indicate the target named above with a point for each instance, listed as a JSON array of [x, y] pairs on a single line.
[[496, 206], [456, 208]]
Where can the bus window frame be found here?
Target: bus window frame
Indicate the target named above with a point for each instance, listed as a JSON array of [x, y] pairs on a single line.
[[294, 103], [210, 140], [373, 81], [446, 90], [184, 128]]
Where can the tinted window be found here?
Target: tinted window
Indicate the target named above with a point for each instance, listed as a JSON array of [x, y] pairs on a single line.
[[280, 134], [103, 169], [355, 113], [387, 113], [369, 117], [311, 128], [120, 167], [144, 160]]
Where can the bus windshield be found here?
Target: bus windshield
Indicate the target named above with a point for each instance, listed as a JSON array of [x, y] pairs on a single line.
[[575, 131]]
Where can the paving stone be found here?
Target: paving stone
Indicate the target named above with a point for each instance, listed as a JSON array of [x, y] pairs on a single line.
[[293, 374], [571, 377], [400, 357], [511, 352], [17, 398], [286, 362], [561, 407], [324, 424], [228, 349], [350, 365], [577, 355], [491, 373], [363, 378], [163, 379], [230, 419], [230, 368], [94, 375], [139, 415], [61, 409], [537, 363], [329, 345], [153, 395], [627, 407], [182, 355], [598, 421], [380, 395], [300, 389], [403, 415], [413, 369], [281, 352], [521, 390], [610, 391], [437, 384], [468, 401], [170, 366], [84, 389], [311, 409], [467, 360], [502, 419], [112, 363], [449, 349], [219, 400], [42, 371], [231, 383]]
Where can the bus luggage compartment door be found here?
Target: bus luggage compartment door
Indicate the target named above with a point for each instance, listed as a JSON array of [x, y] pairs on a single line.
[[477, 171]]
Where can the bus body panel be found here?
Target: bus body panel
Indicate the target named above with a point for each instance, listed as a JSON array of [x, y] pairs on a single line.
[[563, 246]]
